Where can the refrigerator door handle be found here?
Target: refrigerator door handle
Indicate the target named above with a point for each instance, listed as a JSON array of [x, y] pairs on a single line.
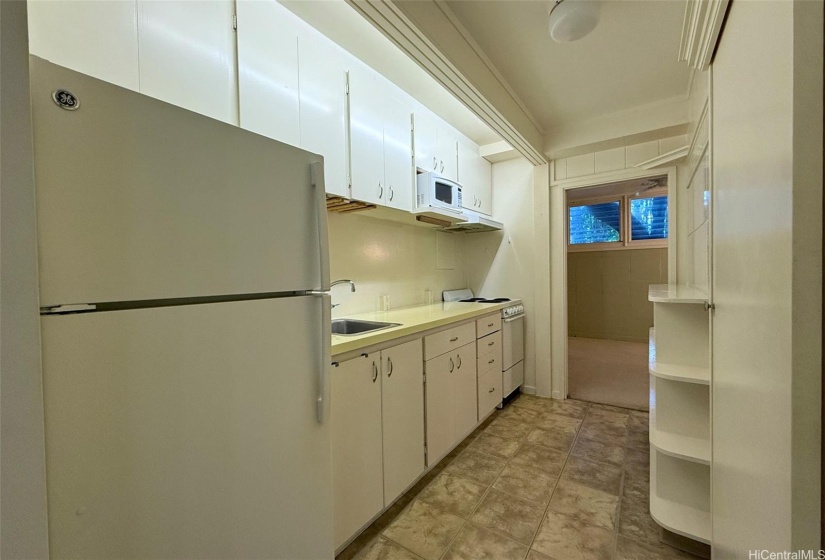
[[322, 401], [317, 176]]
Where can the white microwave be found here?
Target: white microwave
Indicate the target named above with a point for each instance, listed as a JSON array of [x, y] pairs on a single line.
[[433, 190]]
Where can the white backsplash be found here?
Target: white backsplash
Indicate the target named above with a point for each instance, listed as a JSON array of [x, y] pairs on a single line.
[[388, 259]]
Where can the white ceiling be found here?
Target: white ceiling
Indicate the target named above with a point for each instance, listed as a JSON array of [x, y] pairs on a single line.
[[627, 61]]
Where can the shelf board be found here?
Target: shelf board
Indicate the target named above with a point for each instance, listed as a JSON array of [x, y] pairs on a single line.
[[676, 293], [676, 372], [680, 518], [683, 518], [696, 450]]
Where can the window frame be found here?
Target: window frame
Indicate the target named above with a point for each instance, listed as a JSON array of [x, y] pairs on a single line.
[[625, 240]]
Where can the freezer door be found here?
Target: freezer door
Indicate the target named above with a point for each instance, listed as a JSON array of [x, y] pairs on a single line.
[[188, 432], [141, 200]]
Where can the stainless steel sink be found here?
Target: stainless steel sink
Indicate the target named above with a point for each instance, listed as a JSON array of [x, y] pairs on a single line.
[[354, 326]]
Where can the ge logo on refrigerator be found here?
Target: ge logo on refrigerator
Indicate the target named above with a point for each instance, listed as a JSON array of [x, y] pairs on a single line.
[[66, 100]]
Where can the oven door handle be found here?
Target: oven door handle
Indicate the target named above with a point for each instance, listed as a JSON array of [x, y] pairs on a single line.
[[516, 318]]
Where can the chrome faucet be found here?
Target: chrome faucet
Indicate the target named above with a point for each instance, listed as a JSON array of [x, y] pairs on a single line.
[[345, 281]]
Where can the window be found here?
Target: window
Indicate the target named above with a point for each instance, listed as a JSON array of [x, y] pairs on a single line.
[[596, 223], [619, 222]]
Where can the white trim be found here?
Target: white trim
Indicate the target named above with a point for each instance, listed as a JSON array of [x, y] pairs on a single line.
[[669, 158], [558, 255], [390, 20], [701, 27]]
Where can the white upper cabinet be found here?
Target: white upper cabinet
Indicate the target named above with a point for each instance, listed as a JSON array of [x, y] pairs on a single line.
[[187, 55], [323, 106], [96, 38], [398, 167], [268, 70], [435, 145], [380, 140], [475, 175], [366, 109]]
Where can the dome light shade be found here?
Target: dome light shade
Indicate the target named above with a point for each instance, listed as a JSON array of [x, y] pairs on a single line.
[[571, 20]]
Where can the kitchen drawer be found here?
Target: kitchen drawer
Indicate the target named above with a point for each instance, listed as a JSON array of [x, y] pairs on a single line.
[[488, 324], [489, 362], [488, 344], [444, 341], [489, 392]]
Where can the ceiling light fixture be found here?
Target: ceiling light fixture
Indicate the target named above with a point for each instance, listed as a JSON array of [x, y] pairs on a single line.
[[571, 20]]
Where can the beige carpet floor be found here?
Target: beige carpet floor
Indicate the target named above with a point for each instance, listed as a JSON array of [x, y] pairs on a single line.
[[608, 372]]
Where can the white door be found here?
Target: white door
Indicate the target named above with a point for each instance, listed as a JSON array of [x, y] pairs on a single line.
[[187, 432], [268, 70], [425, 139], [188, 55], [323, 105], [440, 396], [157, 202], [355, 417], [466, 391], [366, 107], [467, 174], [485, 186], [398, 165], [96, 38], [402, 406]]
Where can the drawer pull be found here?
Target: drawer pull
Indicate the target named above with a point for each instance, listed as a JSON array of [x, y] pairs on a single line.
[[459, 361], [490, 343], [493, 390], [491, 324], [452, 365], [491, 361], [389, 365], [453, 339], [374, 372]]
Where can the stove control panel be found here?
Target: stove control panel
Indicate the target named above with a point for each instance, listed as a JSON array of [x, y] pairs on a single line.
[[513, 311]]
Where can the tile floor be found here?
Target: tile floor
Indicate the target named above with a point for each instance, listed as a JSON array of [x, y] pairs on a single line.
[[539, 480]]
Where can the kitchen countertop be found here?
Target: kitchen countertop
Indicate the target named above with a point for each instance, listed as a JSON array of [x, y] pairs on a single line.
[[413, 320]]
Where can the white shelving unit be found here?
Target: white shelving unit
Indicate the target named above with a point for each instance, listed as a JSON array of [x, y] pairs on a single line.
[[680, 436]]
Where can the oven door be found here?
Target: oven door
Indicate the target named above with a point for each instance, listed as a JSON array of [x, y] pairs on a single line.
[[512, 343]]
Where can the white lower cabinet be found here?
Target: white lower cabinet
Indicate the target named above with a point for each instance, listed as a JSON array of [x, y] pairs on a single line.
[[402, 403], [357, 462], [377, 421], [452, 399]]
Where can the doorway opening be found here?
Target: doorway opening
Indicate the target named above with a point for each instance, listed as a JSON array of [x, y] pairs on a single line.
[[616, 247]]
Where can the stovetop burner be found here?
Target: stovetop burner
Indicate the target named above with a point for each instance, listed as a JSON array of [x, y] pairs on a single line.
[[485, 300]]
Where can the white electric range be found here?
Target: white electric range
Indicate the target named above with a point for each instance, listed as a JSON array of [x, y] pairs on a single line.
[[512, 336]]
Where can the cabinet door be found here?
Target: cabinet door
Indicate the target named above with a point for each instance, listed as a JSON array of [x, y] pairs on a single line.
[[402, 404], [467, 174], [96, 38], [355, 420], [447, 152], [440, 391], [425, 139], [484, 189], [466, 392], [398, 166], [323, 105], [187, 55], [366, 130], [268, 70]]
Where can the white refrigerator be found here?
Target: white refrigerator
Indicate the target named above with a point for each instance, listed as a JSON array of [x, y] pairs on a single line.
[[186, 330]]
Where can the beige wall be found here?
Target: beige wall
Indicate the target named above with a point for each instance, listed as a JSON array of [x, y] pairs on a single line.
[[607, 292], [389, 258], [22, 444], [502, 264]]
